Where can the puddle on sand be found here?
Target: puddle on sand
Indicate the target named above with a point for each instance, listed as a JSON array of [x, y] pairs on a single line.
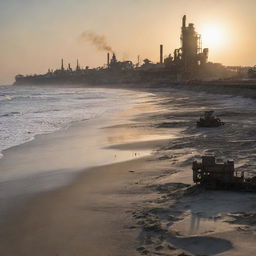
[[194, 224]]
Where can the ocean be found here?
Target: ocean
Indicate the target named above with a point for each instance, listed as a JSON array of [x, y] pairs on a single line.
[[29, 111], [72, 120]]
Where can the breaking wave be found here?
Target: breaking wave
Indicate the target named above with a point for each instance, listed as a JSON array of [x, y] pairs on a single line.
[[28, 111]]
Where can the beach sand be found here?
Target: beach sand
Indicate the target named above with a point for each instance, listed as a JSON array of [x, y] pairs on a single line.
[[91, 217], [141, 203], [46, 215]]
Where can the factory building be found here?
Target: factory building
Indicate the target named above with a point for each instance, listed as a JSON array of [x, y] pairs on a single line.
[[190, 56]]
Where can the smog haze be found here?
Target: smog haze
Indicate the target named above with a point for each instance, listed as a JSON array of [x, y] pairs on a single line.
[[35, 34]]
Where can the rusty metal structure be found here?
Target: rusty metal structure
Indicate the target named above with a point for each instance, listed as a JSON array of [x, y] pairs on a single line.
[[209, 120], [222, 175]]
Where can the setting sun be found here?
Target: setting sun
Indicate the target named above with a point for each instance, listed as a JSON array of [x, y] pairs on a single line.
[[213, 36]]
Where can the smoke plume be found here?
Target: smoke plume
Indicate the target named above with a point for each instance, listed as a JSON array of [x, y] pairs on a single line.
[[99, 41]]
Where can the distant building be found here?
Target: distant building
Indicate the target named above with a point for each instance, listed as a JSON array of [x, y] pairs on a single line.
[[119, 65], [190, 56]]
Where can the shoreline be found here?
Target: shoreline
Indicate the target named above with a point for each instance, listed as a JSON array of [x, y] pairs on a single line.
[[236, 87], [42, 207], [124, 94], [145, 206], [56, 159]]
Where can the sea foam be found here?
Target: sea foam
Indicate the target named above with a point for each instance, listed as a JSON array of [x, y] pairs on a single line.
[[29, 111]]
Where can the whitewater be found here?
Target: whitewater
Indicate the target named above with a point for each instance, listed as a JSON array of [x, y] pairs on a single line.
[[29, 111]]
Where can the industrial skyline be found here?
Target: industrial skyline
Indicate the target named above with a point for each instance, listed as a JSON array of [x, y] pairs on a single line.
[[36, 34], [188, 63]]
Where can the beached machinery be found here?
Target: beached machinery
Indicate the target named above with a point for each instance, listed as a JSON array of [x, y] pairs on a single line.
[[221, 175], [209, 120]]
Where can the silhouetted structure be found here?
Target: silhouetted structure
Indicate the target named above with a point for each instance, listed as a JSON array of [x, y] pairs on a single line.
[[116, 65], [62, 65], [214, 175], [209, 120], [108, 60], [77, 66], [188, 64], [190, 56], [161, 53]]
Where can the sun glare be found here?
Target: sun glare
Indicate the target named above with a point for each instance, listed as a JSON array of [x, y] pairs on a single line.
[[213, 36]]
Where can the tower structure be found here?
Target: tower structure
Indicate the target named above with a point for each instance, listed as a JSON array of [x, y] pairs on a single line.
[[108, 59], [161, 53], [77, 65], [62, 65], [190, 45], [190, 56], [113, 62]]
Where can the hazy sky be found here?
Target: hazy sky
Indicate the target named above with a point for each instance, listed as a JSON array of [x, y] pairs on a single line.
[[36, 34]]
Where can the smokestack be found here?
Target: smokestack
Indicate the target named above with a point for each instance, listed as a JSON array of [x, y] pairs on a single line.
[[62, 64], [184, 21], [108, 59], [138, 63], [161, 53], [77, 65]]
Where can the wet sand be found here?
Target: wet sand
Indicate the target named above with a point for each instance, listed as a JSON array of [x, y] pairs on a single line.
[[148, 205], [91, 217], [54, 202], [186, 220]]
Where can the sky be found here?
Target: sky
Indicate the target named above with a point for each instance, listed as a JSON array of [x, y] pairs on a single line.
[[36, 34]]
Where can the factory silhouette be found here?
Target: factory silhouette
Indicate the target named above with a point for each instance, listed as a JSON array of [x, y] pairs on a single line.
[[188, 63]]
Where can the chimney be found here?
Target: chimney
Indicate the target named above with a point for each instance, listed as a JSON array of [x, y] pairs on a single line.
[[77, 65], [62, 64], [108, 59], [184, 21], [161, 53]]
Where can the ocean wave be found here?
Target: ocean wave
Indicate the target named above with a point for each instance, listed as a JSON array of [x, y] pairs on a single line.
[[27, 112]]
